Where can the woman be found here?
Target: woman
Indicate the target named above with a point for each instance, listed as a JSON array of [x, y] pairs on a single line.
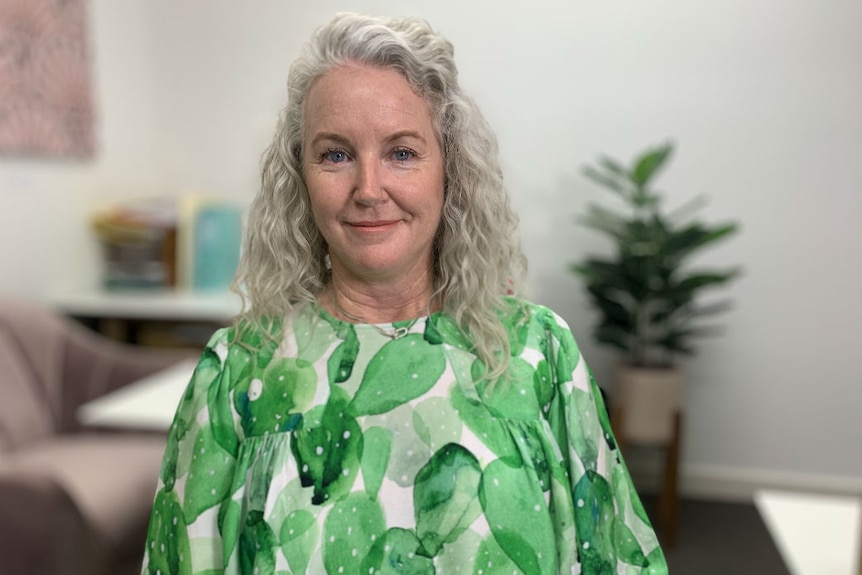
[[387, 403]]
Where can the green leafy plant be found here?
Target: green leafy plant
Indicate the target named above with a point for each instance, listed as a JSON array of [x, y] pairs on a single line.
[[646, 293]]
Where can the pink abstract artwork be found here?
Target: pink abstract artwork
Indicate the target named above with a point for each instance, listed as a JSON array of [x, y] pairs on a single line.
[[46, 105]]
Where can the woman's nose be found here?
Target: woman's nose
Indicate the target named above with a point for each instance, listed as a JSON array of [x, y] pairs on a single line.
[[369, 189]]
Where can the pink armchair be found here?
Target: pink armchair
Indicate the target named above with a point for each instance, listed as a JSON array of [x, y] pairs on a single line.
[[72, 500]]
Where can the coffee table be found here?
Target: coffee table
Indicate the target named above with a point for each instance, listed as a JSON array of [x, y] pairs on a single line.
[[815, 534], [147, 404]]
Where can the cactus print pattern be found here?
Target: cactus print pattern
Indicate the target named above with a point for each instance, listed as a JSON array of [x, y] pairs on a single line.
[[336, 450]]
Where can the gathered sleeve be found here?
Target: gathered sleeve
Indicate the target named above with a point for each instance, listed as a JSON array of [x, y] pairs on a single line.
[[613, 532], [197, 472]]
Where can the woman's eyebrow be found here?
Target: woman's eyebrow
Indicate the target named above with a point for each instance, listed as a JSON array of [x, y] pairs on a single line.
[[406, 134], [340, 139], [332, 136]]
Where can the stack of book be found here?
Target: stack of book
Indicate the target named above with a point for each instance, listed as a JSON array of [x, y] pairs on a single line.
[[138, 243]]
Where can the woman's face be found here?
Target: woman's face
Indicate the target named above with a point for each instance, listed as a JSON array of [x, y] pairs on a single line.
[[374, 171]]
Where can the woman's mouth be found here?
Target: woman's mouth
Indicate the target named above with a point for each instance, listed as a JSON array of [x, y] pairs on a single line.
[[373, 225]]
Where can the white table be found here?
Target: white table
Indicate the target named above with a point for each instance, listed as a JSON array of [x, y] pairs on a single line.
[[152, 304], [162, 317], [147, 404], [815, 534]]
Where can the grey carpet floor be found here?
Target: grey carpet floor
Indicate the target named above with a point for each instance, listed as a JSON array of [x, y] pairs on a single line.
[[717, 538]]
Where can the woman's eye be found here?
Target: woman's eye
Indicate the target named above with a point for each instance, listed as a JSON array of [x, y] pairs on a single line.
[[403, 155], [335, 156]]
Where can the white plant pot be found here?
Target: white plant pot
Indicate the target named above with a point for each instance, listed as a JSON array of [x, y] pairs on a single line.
[[650, 399]]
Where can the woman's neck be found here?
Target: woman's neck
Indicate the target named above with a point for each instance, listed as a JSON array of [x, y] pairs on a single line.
[[375, 303]]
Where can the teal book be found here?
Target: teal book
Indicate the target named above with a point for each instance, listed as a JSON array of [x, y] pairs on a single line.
[[217, 238]]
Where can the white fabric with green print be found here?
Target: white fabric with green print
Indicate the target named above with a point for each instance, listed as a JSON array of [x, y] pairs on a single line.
[[340, 451]]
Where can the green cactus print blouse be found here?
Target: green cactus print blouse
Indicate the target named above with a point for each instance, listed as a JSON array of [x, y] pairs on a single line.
[[336, 450]]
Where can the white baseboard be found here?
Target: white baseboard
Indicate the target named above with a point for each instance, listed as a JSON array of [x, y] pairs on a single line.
[[737, 483]]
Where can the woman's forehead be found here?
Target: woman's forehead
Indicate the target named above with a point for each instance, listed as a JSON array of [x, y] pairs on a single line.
[[363, 97]]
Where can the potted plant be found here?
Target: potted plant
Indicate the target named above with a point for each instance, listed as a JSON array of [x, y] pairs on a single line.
[[646, 292]]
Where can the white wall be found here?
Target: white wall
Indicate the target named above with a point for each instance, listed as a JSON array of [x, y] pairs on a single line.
[[763, 99], [44, 204]]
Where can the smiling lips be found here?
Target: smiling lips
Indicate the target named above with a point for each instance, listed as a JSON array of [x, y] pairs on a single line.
[[373, 226]]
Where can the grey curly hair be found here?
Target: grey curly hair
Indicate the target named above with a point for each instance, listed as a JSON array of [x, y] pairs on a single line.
[[478, 258]]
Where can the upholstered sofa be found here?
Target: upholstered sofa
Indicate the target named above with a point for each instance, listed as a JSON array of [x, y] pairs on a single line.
[[72, 500]]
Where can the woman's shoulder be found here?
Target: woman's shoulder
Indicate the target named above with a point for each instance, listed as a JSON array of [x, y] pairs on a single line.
[[519, 310], [529, 321], [222, 337], [241, 343], [247, 333]]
